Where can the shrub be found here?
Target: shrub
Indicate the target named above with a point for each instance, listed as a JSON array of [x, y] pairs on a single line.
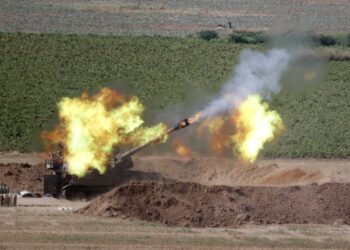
[[348, 40], [327, 40], [208, 35], [339, 56], [247, 37]]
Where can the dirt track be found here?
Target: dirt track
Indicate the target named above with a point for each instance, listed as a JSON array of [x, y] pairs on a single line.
[[167, 17], [50, 224]]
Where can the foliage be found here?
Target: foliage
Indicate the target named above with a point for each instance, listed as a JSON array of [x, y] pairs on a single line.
[[327, 40], [37, 70], [317, 121], [257, 37], [247, 37], [208, 34], [347, 40]]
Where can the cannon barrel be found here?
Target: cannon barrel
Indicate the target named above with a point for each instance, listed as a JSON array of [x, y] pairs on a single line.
[[180, 125]]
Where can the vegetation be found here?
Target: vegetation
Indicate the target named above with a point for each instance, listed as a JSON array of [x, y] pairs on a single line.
[[257, 37], [36, 70], [347, 40], [327, 40], [317, 120], [208, 34], [248, 37]]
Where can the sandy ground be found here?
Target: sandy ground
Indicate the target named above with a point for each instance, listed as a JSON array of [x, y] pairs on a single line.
[[265, 172], [15, 157], [47, 223], [225, 171]]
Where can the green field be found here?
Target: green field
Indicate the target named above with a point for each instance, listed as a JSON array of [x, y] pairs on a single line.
[[36, 70]]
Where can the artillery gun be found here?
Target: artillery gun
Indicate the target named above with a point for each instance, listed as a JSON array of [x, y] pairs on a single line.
[[61, 183]]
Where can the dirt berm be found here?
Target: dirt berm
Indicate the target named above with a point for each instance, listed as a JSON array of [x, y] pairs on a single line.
[[195, 205], [23, 176]]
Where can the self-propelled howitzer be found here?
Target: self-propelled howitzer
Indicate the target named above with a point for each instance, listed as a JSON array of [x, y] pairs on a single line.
[[61, 183]]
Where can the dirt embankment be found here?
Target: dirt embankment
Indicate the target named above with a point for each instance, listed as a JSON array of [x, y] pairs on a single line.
[[23, 176], [190, 204], [25, 171], [208, 170]]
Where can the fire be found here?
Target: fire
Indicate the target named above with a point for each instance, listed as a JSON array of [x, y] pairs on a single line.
[[245, 131], [256, 125], [181, 149], [90, 127], [194, 118], [217, 133]]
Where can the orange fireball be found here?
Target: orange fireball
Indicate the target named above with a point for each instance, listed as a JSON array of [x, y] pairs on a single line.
[[181, 149], [245, 131], [90, 126]]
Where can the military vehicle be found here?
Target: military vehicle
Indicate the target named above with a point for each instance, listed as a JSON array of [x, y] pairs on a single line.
[[62, 184]]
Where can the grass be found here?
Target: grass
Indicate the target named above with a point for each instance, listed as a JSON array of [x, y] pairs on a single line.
[[36, 70], [316, 120]]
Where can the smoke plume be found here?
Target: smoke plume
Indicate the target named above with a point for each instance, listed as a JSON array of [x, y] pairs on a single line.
[[257, 73]]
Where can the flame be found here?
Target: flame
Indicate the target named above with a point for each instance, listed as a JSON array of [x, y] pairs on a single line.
[[194, 118], [91, 126], [181, 149], [217, 135], [245, 131], [256, 125]]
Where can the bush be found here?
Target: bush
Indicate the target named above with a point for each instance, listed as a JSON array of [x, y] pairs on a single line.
[[208, 35], [348, 40], [247, 37], [327, 40]]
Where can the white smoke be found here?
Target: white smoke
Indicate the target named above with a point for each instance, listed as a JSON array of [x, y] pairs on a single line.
[[257, 73]]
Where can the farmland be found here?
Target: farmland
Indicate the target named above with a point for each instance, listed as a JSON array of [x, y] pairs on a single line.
[[39, 69], [167, 17]]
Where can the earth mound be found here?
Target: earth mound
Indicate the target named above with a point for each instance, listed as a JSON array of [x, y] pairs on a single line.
[[23, 176], [195, 205], [210, 171]]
